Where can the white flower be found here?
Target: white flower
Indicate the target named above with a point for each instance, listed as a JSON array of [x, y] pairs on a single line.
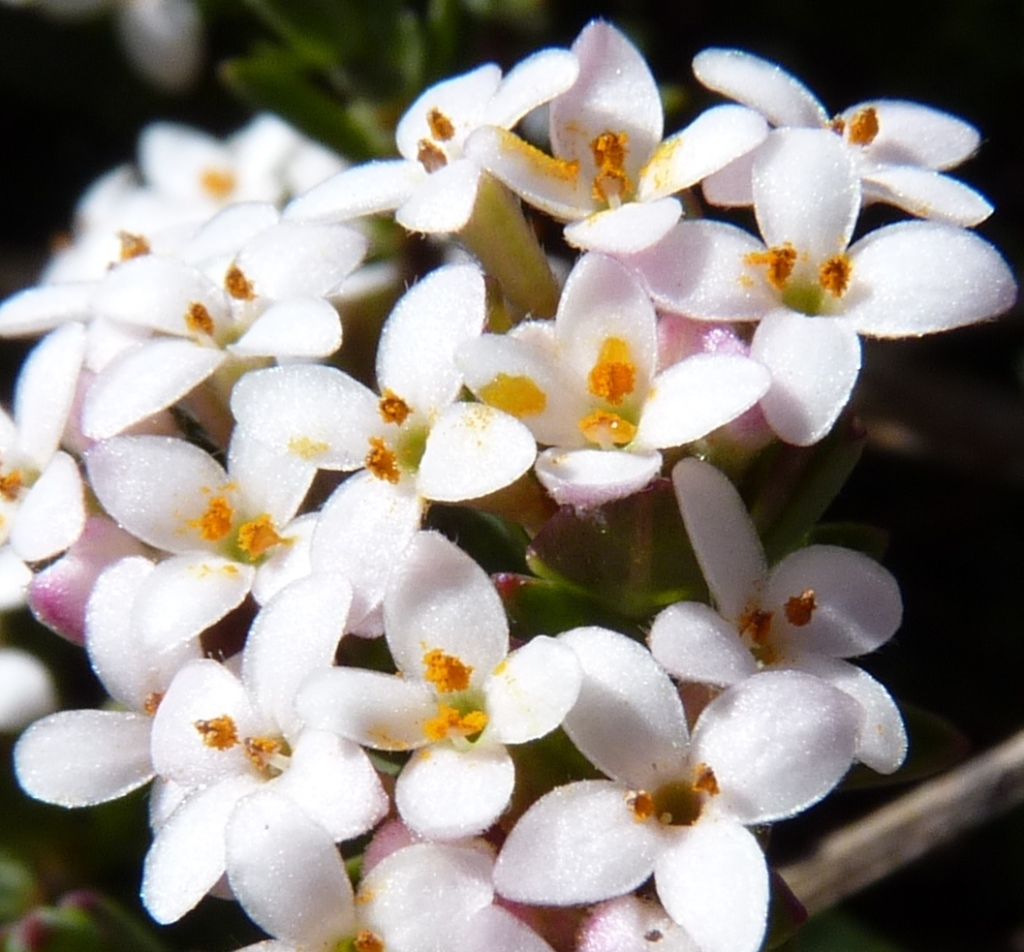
[[899, 148], [813, 292], [588, 386], [817, 606], [611, 174], [677, 805], [433, 187], [27, 690], [459, 696]]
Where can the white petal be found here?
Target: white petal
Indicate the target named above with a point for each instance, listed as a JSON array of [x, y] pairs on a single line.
[[580, 843], [760, 84], [531, 691], [628, 720], [697, 395], [224, 234], [361, 190], [439, 598], [922, 277], [496, 929], [927, 194], [913, 134], [444, 201], [531, 82], [695, 643], [80, 758], [473, 450], [272, 484], [777, 743], [732, 186], [416, 355], [594, 477], [806, 192], [163, 39], [27, 690], [286, 872], [187, 856], [627, 229], [715, 138], [52, 515], [722, 535], [446, 794], [714, 883], [144, 380], [297, 327], [814, 362], [43, 308]]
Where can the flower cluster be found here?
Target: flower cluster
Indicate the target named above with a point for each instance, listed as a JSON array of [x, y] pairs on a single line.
[[202, 484]]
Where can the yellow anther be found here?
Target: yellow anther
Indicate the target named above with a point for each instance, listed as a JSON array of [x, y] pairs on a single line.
[[611, 184], [756, 625], [430, 156], [367, 941], [152, 702], [834, 275], [445, 672], [863, 126], [777, 262], [11, 484], [198, 320], [382, 461], [515, 394], [613, 377], [257, 536], [441, 127], [705, 780], [261, 750], [238, 285], [132, 246], [606, 429], [215, 523], [641, 803], [218, 183], [800, 608], [392, 408], [220, 733], [450, 721]]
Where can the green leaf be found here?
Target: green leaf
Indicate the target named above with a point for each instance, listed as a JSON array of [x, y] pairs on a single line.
[[834, 931]]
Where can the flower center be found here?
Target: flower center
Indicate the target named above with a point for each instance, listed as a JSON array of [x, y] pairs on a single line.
[[861, 129], [677, 803], [606, 429], [516, 395], [270, 755], [613, 376], [804, 292], [253, 538], [611, 184], [218, 183], [755, 627]]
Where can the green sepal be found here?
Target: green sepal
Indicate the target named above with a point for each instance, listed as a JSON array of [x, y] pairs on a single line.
[[494, 543]]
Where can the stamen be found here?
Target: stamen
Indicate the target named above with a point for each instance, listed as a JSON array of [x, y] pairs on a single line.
[[514, 394], [450, 721], [611, 182], [863, 126], [367, 941], [606, 429], [641, 803], [756, 625], [705, 780], [11, 484], [132, 246], [152, 702], [392, 408], [613, 377], [218, 183], [261, 751], [382, 461], [430, 156], [198, 319], [441, 127], [238, 285], [445, 672], [257, 536], [778, 263], [215, 523], [834, 275], [800, 608], [219, 733]]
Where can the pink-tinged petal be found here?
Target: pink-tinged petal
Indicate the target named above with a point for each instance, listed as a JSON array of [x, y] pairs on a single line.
[[733, 186], [555, 186], [46, 391], [314, 413], [362, 532], [130, 673], [806, 192], [594, 477], [695, 644], [780, 97], [627, 229], [910, 133], [39, 309], [473, 450], [144, 380], [295, 259], [184, 596], [927, 194], [625, 925], [416, 355], [714, 882], [628, 720], [439, 598], [275, 662], [287, 873], [154, 486], [698, 395], [52, 514], [814, 362], [919, 277], [722, 535], [446, 794], [699, 269], [361, 190], [187, 855], [531, 691], [777, 743], [615, 92], [530, 83], [882, 741], [377, 710], [715, 138], [27, 691], [202, 691], [333, 782], [81, 758], [496, 929], [297, 327], [580, 843], [59, 593], [856, 603], [443, 202]]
